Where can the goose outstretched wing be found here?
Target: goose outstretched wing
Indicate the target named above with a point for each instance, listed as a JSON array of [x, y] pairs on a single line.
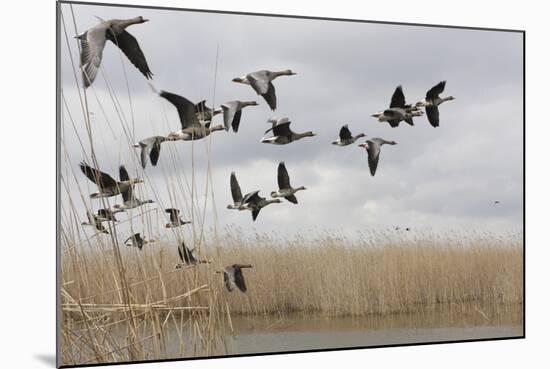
[[345, 133], [130, 47], [236, 193], [282, 176], [186, 109], [398, 98], [435, 90], [103, 180]]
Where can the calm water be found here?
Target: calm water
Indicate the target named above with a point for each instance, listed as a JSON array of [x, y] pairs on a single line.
[[299, 332], [322, 334]]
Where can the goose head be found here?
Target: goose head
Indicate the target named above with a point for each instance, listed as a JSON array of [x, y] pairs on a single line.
[[301, 188], [309, 134], [249, 103], [417, 113], [391, 142], [288, 72], [242, 79], [274, 194], [449, 98], [140, 19], [335, 142]]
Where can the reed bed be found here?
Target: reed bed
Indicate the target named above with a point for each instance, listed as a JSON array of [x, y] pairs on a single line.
[[334, 276], [375, 275]]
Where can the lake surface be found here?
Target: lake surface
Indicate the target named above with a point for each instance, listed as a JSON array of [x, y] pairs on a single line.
[[313, 334], [296, 333], [302, 332], [299, 332]]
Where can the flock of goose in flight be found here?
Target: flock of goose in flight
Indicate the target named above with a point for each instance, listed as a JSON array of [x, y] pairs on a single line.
[[196, 123]]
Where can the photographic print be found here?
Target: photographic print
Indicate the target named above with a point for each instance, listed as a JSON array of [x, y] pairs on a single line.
[[244, 184]]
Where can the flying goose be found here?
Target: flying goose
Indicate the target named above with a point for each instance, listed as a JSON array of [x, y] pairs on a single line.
[[282, 134], [175, 220], [232, 111], [432, 101], [130, 201], [236, 194], [107, 215], [233, 276], [373, 149], [137, 241], [150, 147], [92, 43], [255, 203], [260, 81], [398, 110], [187, 257], [106, 184], [285, 189], [95, 221], [346, 137], [191, 127]]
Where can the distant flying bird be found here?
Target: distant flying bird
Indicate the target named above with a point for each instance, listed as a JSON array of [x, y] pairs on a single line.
[[373, 149], [255, 203], [346, 137], [432, 101], [236, 194], [130, 201], [285, 189], [407, 229], [137, 241], [282, 134], [233, 277], [94, 221], [106, 184], [175, 220], [497, 202], [150, 147], [191, 127], [92, 43], [232, 111], [398, 111], [260, 81]]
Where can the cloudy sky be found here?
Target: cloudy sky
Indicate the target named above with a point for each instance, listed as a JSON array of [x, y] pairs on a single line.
[[434, 179]]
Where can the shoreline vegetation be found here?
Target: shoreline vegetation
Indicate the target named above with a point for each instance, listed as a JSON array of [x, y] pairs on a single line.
[[320, 277]]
